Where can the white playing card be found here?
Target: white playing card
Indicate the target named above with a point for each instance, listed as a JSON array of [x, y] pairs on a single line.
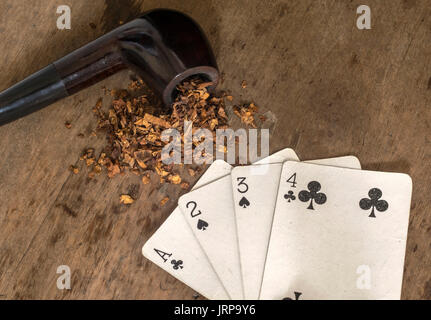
[[210, 213], [174, 241], [343, 237], [254, 194], [351, 162]]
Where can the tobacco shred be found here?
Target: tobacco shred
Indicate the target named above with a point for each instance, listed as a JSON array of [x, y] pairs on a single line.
[[185, 186], [163, 201], [246, 113], [126, 199], [192, 172], [74, 169], [146, 180]]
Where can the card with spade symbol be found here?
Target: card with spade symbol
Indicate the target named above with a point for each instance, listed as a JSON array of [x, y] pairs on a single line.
[[210, 213], [343, 237], [254, 194], [174, 248]]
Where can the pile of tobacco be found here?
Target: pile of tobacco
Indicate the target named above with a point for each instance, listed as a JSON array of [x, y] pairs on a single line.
[[133, 126]]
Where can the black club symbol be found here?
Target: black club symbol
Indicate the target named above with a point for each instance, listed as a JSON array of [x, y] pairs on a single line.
[[313, 194], [177, 264], [289, 196], [373, 202]]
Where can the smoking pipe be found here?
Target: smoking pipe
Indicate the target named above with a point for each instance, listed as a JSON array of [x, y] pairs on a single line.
[[163, 47]]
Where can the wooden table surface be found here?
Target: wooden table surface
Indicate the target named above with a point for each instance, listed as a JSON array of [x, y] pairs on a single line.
[[333, 90]]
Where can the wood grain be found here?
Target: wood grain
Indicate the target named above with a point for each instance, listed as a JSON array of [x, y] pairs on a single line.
[[332, 89]]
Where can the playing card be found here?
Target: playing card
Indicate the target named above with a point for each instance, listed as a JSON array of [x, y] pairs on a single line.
[[342, 236], [210, 213], [175, 249], [254, 195]]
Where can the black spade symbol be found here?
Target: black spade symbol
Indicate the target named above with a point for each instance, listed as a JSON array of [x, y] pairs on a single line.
[[202, 225], [297, 295], [244, 202]]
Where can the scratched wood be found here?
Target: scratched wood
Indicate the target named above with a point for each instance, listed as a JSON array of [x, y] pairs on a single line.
[[331, 89]]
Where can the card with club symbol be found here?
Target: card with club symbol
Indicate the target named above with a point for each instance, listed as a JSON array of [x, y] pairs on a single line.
[[175, 249], [254, 194], [337, 234]]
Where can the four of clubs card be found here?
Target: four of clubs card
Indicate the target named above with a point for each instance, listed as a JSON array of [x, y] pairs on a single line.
[[342, 237]]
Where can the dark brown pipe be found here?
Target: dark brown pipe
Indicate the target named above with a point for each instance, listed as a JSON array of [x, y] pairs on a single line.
[[163, 47]]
